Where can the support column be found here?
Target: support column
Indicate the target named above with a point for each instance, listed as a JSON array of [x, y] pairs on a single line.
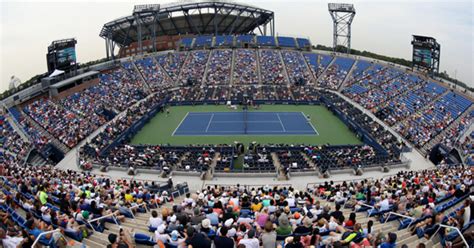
[[342, 15]]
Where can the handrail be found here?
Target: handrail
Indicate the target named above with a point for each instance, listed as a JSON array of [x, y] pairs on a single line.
[[46, 233], [366, 205], [400, 215], [136, 206], [102, 217], [339, 181], [247, 186], [453, 227]]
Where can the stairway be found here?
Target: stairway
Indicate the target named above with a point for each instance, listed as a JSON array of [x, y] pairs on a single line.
[[204, 76], [17, 127], [285, 72], [310, 161], [257, 57], [348, 75], [142, 77], [37, 160], [232, 65], [60, 145], [278, 167], [137, 225], [403, 236], [318, 78], [420, 110], [168, 80]]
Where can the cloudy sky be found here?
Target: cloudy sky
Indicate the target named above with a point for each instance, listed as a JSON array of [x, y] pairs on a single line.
[[384, 27]]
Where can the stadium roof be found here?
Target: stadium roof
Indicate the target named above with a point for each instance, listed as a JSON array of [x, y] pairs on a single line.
[[74, 79], [195, 18]]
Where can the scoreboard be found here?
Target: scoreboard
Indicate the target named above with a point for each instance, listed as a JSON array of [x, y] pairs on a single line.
[[66, 57], [422, 56], [62, 55], [426, 53]]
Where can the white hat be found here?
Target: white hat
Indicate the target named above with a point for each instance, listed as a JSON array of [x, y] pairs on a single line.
[[229, 222], [44, 208], [161, 229], [206, 223], [173, 218]]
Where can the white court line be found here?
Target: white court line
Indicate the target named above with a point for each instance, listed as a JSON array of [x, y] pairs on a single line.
[[246, 121], [294, 132], [209, 123], [310, 123], [281, 123], [180, 124]]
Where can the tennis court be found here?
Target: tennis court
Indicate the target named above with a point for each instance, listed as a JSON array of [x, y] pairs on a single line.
[[244, 123]]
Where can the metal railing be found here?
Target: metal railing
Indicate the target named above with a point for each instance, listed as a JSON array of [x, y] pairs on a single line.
[[400, 215], [311, 185], [246, 186], [100, 218], [137, 206], [46, 233], [366, 205], [455, 228]]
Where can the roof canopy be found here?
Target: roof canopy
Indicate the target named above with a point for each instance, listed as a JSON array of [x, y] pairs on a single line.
[[195, 18]]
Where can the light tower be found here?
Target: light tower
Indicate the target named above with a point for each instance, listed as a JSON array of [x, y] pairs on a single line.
[[342, 15]]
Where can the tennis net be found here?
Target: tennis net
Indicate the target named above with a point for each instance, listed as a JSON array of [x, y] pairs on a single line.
[[245, 120]]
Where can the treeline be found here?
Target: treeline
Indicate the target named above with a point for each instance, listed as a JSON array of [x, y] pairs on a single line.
[[37, 79], [342, 49]]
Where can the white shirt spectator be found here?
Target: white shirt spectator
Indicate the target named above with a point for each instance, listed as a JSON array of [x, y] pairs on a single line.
[[11, 242], [384, 205], [155, 222], [250, 243]]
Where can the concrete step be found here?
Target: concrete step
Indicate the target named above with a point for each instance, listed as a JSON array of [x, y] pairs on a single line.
[[100, 238], [408, 240], [137, 227], [91, 243], [403, 234]]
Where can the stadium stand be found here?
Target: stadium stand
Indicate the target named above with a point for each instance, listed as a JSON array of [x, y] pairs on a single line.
[[172, 63], [241, 40], [424, 126], [271, 67], [266, 41], [92, 127], [317, 62], [404, 105], [320, 215], [286, 42], [245, 67], [336, 73], [296, 67], [187, 42], [194, 67], [224, 41], [303, 43], [11, 142], [203, 42], [219, 67], [153, 74]]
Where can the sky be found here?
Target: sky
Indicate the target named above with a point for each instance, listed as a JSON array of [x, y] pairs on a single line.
[[383, 26]]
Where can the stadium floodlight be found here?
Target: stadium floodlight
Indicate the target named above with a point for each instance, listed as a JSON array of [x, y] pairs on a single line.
[[342, 15]]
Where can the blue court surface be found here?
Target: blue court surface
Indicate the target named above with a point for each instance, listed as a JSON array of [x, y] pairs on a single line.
[[244, 123]]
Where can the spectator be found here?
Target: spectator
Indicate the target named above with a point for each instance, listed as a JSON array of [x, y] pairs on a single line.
[[222, 241], [249, 240], [196, 239], [268, 237]]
